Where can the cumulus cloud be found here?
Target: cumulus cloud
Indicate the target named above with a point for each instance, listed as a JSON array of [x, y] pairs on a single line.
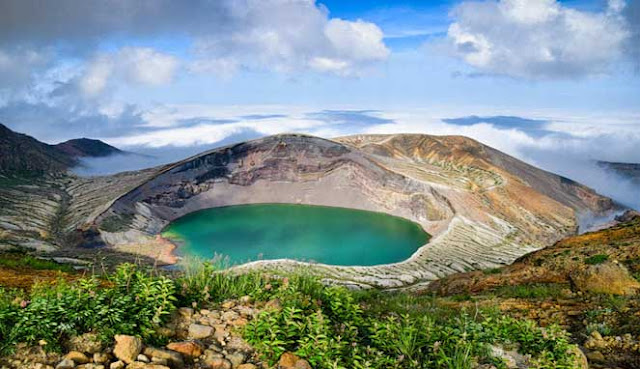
[[538, 39], [224, 36], [289, 35], [143, 66]]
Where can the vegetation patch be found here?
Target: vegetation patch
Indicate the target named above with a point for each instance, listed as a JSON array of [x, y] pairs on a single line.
[[596, 259], [532, 291], [17, 260], [331, 327]]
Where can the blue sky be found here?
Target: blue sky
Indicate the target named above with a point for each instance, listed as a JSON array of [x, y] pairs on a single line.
[[172, 78], [575, 56]]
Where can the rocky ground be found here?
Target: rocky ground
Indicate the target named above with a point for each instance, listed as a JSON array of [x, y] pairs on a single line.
[[203, 339], [587, 284]]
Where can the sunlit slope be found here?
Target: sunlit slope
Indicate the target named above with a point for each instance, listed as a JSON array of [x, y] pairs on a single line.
[[483, 207]]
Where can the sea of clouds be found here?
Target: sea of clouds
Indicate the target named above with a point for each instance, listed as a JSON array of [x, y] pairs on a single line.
[[569, 145]]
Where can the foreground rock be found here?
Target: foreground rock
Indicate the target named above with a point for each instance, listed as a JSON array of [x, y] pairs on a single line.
[[218, 345], [127, 348], [609, 278], [289, 360]]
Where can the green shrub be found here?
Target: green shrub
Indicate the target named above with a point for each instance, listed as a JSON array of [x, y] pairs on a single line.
[[334, 331], [133, 302], [596, 259], [331, 327]]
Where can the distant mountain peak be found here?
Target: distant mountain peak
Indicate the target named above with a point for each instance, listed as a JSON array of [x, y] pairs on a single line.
[[21, 152], [87, 147]]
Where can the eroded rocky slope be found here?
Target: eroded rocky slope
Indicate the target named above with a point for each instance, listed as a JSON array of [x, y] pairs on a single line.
[[484, 208]]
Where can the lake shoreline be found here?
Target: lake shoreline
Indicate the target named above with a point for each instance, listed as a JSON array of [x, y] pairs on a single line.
[[327, 235]]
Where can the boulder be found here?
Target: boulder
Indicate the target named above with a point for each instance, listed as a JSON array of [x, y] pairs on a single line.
[[596, 357], [172, 357], [117, 365], [580, 359], [199, 331], [217, 363], [187, 348], [66, 364], [77, 357], [289, 360], [236, 358], [88, 343], [609, 278], [512, 359], [100, 358], [127, 348]]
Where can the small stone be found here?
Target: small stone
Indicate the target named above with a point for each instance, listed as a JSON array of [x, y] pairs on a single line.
[[218, 363], [172, 357], [166, 332], [188, 348], [186, 312], [229, 316], [159, 361], [88, 343], [240, 322], [289, 360], [127, 348], [100, 358], [77, 357], [139, 365], [273, 305], [117, 365], [247, 366], [236, 358], [229, 304], [580, 360], [238, 344], [199, 331], [595, 356], [221, 333], [66, 364], [596, 335], [245, 300], [212, 354], [143, 358]]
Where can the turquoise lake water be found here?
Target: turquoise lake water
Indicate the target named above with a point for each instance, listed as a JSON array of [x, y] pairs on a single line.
[[328, 235]]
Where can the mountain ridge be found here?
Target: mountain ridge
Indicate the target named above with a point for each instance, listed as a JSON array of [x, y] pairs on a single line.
[[21, 152], [483, 207], [87, 147]]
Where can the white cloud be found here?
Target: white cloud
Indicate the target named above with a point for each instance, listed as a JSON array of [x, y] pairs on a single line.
[[538, 39], [357, 41], [96, 76], [17, 65], [143, 66], [147, 66], [289, 36]]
